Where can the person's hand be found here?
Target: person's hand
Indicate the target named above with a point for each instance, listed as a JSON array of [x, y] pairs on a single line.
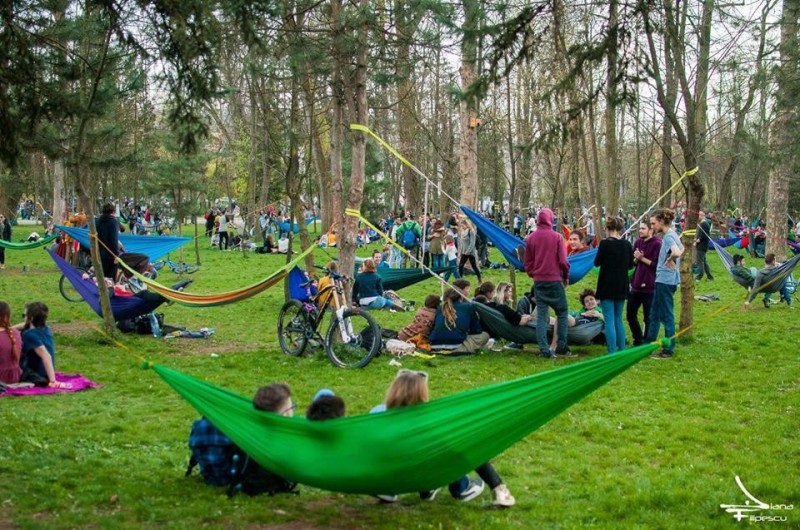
[[670, 264], [59, 385]]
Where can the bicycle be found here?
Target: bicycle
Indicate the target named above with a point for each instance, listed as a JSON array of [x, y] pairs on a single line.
[[353, 338], [176, 267], [65, 287]]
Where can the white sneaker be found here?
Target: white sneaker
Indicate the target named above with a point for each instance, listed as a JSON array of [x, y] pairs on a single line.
[[474, 489], [489, 344], [387, 498], [502, 497]]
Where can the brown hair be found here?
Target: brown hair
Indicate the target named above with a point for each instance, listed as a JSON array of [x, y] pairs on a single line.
[[408, 388], [665, 215], [486, 288], [272, 397], [432, 301], [369, 265], [769, 259], [615, 224], [5, 322], [585, 293], [450, 296], [36, 313]]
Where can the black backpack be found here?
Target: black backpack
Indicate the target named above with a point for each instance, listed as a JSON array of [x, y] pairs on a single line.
[[249, 477]]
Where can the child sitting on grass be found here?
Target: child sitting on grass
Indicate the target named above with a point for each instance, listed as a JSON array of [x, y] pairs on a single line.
[[423, 320]]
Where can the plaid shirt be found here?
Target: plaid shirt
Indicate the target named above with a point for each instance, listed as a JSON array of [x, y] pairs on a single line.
[[212, 450]]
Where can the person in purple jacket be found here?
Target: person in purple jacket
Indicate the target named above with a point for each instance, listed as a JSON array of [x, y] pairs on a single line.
[[643, 283], [546, 262]]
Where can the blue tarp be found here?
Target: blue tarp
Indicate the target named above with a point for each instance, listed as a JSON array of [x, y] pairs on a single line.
[[507, 243], [152, 246]]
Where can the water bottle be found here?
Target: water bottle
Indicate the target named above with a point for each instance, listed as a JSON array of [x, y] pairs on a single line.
[[154, 325]]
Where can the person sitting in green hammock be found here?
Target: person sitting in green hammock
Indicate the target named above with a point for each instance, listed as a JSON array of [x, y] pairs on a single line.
[[411, 388]]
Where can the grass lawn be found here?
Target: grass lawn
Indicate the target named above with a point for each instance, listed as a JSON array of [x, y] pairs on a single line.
[[657, 447]]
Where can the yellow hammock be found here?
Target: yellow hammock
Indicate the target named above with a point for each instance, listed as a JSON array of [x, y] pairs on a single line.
[[210, 300]]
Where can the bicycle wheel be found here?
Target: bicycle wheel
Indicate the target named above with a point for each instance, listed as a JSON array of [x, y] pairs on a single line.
[[353, 340], [68, 291], [293, 328], [158, 264], [190, 269]]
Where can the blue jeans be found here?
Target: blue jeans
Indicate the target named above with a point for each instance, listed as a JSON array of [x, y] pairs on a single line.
[[453, 264], [662, 312], [395, 258], [550, 294], [380, 303], [615, 331], [437, 261]]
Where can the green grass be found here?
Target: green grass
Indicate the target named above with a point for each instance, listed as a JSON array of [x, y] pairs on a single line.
[[658, 447]]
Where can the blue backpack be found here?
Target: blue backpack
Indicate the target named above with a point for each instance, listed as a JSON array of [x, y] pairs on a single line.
[[410, 237]]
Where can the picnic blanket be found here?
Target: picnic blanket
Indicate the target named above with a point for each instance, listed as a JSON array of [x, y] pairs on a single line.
[[77, 381]]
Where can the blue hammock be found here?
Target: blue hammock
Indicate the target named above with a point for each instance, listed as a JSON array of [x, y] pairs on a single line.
[[152, 246], [122, 307], [283, 226], [507, 243]]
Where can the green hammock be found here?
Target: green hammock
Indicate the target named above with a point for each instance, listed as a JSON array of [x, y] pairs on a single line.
[[10, 245], [410, 449], [496, 324], [396, 279]]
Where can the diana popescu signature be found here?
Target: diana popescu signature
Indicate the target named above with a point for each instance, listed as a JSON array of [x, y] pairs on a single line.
[[749, 511]]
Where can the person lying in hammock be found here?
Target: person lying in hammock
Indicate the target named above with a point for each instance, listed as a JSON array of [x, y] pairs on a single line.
[[762, 283], [590, 311], [411, 388]]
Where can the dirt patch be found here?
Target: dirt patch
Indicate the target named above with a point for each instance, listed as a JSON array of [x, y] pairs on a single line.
[[71, 328]]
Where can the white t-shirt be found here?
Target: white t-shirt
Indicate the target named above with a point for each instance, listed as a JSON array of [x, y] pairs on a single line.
[[223, 223], [451, 252], [283, 245]]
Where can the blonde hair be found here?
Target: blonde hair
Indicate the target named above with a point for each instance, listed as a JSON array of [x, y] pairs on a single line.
[[408, 388], [500, 293]]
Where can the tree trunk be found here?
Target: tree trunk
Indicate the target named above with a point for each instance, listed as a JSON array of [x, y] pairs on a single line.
[[347, 237], [612, 196], [468, 106], [784, 131]]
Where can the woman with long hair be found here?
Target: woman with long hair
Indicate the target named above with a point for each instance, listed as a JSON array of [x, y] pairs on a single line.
[[410, 388], [468, 247], [615, 259], [457, 323], [368, 289], [10, 348]]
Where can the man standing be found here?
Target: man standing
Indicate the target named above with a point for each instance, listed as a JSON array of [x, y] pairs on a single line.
[[668, 277], [108, 234], [701, 246], [546, 262], [408, 235], [5, 235], [643, 284]]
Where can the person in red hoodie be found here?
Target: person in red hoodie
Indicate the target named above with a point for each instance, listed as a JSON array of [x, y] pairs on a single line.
[[546, 262]]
